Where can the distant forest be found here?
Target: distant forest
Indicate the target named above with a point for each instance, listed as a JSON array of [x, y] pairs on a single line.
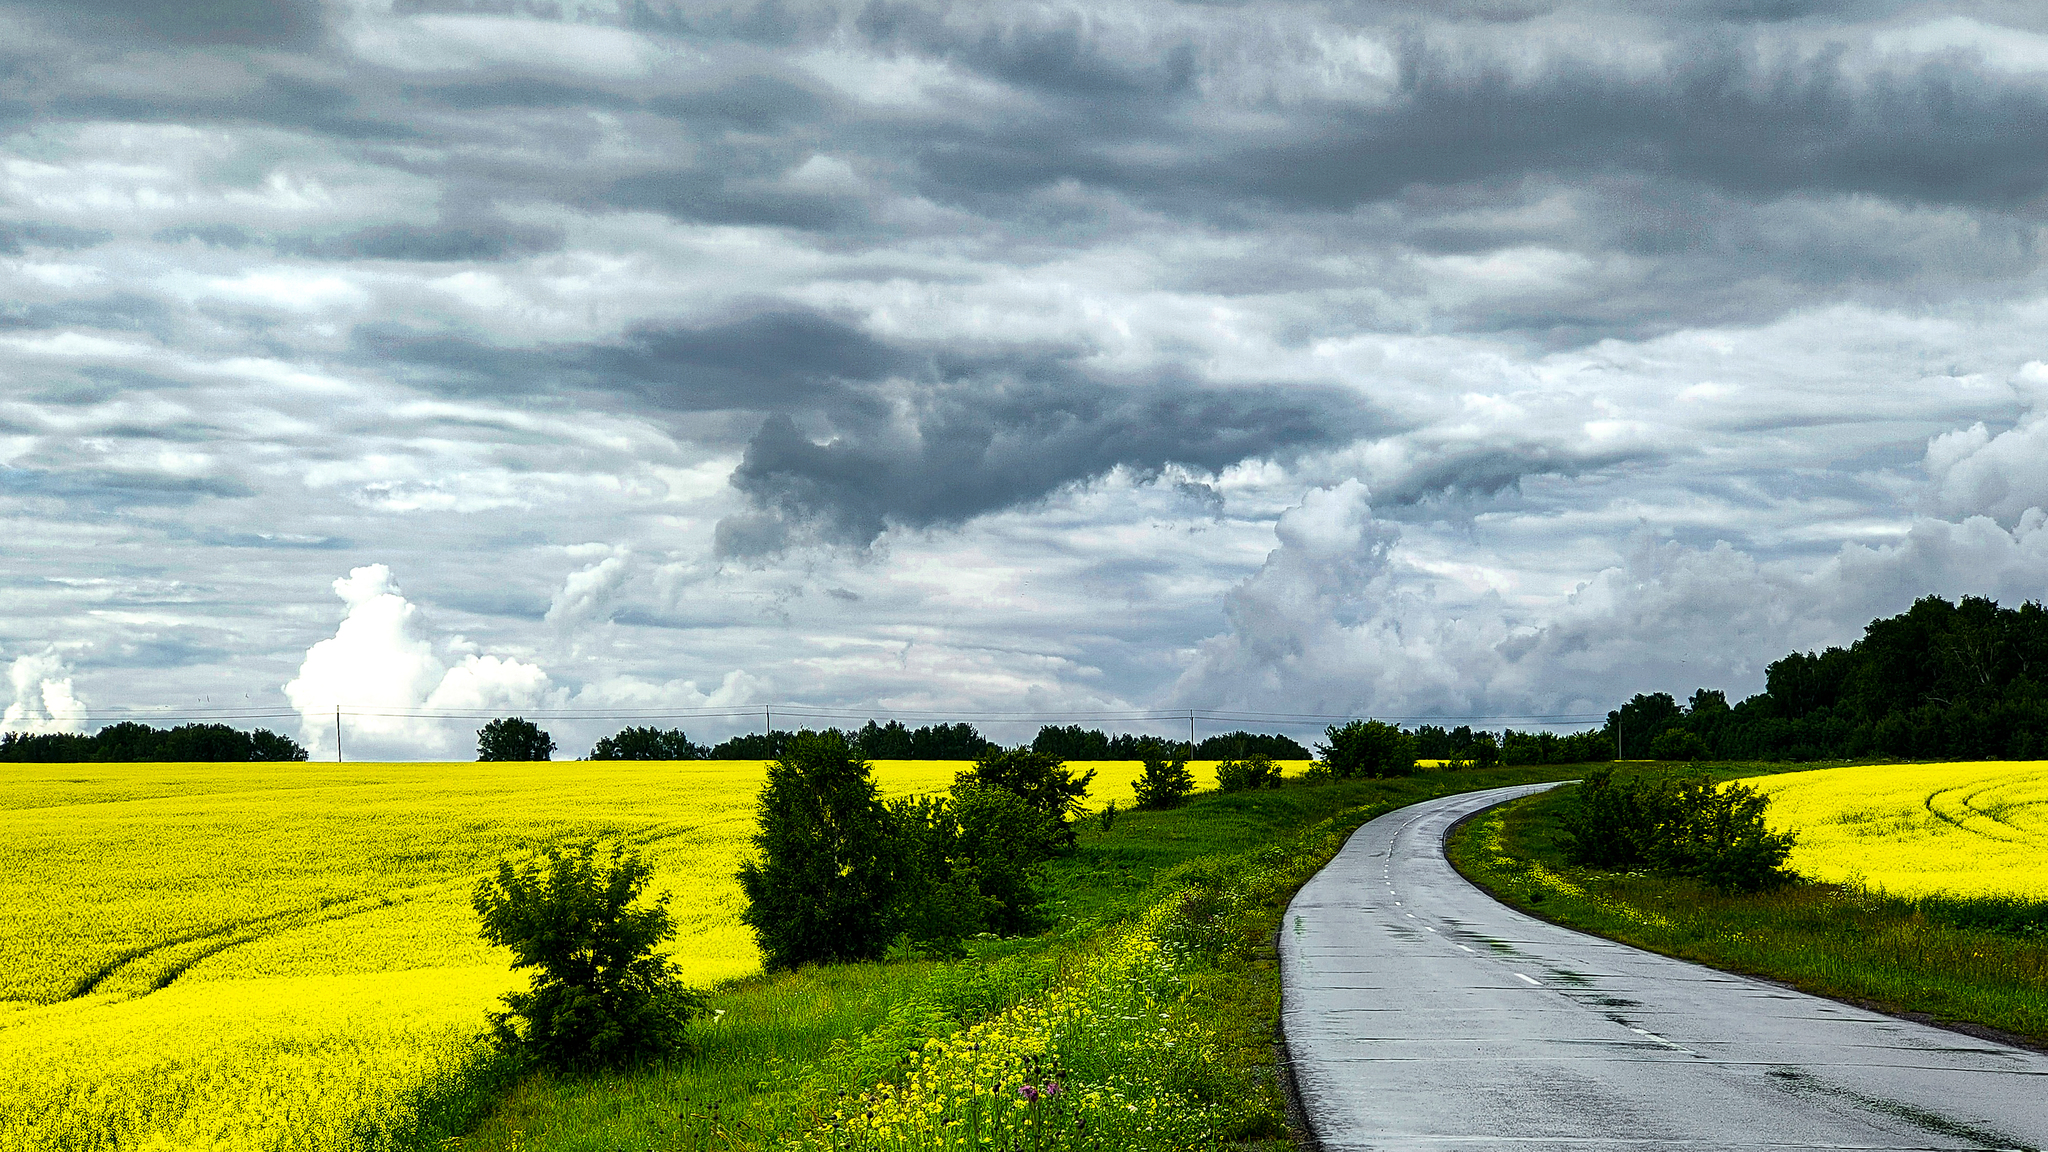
[[130, 742], [1938, 681]]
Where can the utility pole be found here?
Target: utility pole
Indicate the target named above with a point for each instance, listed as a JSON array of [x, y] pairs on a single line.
[[768, 723], [337, 733], [1191, 733]]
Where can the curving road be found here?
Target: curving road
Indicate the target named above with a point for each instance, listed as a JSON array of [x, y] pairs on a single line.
[[1422, 1014]]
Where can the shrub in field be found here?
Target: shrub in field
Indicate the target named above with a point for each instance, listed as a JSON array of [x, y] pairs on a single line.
[[1247, 775], [1367, 748], [824, 887], [1040, 779], [1165, 783], [511, 738], [1690, 827], [647, 744], [599, 996]]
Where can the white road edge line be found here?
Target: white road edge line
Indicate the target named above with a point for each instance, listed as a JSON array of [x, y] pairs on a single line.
[[1537, 983]]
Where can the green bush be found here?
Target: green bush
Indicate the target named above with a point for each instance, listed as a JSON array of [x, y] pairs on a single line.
[[1247, 775], [1165, 782], [1040, 779], [1688, 827], [824, 887], [1367, 748], [598, 995]]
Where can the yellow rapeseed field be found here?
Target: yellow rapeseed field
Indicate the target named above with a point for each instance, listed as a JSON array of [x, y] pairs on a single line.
[[269, 956], [1918, 829]]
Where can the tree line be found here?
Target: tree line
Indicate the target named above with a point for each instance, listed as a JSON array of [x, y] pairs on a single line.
[[1967, 680], [132, 742], [894, 741]]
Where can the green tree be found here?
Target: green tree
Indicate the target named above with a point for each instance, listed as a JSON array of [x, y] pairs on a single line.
[[1676, 743], [825, 882], [1165, 782], [1367, 748], [973, 861], [598, 995], [636, 743], [1040, 779], [511, 738]]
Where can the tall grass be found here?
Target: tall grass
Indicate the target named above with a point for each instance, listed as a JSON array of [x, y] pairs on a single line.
[[1980, 961]]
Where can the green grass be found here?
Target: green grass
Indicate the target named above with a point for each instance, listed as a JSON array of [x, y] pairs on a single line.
[[772, 1067], [1945, 959]]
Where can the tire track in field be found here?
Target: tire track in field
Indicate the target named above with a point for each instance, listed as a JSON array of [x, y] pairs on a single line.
[[249, 931]]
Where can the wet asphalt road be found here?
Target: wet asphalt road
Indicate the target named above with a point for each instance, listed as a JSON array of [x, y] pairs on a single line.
[[1421, 1014]]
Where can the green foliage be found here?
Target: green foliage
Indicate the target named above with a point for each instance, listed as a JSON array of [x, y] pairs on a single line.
[[824, 886], [1939, 681], [892, 741], [1676, 743], [1165, 782], [1367, 749], [1245, 745], [1480, 752], [1247, 775], [511, 738], [1040, 779], [1642, 720], [130, 742], [598, 994], [1546, 747], [633, 743], [1685, 827]]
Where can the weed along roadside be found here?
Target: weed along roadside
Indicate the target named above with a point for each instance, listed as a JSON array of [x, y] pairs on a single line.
[[1141, 1017], [1977, 963]]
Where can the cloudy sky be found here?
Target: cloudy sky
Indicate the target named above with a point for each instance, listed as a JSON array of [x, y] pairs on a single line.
[[1489, 359]]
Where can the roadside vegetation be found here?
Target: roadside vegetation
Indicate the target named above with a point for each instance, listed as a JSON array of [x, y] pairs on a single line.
[[1141, 1017], [1972, 960]]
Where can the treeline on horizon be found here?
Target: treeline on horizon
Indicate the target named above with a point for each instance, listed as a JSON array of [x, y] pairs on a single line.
[[130, 742], [1940, 681], [894, 741]]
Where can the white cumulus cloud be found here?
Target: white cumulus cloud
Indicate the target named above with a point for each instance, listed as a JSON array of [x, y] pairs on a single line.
[[387, 675], [43, 697], [1978, 474]]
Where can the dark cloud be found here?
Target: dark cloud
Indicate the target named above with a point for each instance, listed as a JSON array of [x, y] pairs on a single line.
[[1937, 134], [991, 444], [96, 488], [250, 23], [768, 360], [18, 237], [438, 244]]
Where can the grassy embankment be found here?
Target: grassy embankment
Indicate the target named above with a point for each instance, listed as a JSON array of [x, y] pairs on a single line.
[[1980, 961], [1153, 1001]]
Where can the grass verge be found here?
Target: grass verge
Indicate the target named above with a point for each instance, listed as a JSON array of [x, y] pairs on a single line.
[[1152, 1005], [1975, 964]]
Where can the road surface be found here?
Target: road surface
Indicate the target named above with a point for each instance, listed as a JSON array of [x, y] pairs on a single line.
[[1422, 1014]]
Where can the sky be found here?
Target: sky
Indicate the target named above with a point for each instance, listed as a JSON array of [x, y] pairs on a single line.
[[1485, 360]]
